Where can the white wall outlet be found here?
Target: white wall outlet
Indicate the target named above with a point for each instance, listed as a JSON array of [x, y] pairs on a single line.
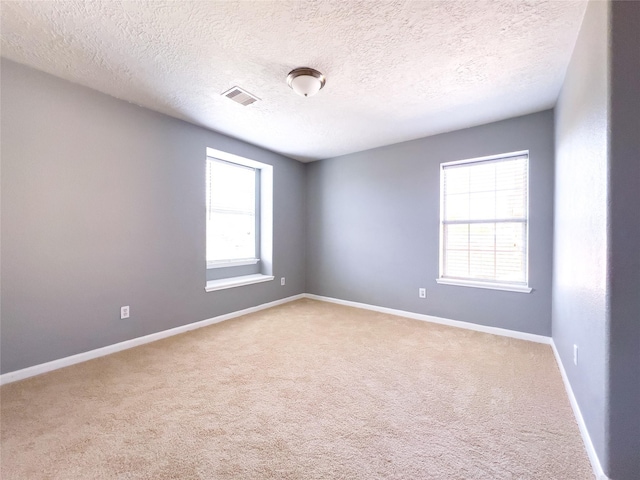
[[575, 354], [422, 293], [281, 280], [124, 312]]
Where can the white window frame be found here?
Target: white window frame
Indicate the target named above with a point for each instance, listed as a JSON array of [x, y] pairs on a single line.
[[264, 249], [237, 262], [521, 287]]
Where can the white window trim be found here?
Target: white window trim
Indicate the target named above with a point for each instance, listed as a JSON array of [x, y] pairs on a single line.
[[488, 285], [266, 226], [232, 263], [475, 283], [238, 261], [224, 283]]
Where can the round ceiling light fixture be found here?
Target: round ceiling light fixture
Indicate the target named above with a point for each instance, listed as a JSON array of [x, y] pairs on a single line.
[[306, 81]]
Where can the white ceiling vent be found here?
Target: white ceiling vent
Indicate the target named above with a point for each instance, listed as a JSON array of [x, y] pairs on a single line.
[[240, 96]]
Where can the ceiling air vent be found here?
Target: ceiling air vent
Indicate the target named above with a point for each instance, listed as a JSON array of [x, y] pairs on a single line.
[[240, 96]]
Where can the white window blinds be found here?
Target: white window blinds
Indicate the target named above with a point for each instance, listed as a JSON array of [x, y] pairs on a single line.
[[484, 220], [231, 212]]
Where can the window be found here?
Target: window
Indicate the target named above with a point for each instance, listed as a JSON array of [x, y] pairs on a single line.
[[484, 222], [232, 219], [239, 221]]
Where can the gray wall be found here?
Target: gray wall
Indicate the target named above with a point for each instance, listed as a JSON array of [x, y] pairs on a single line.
[[580, 242], [103, 206], [373, 226], [596, 296], [624, 243]]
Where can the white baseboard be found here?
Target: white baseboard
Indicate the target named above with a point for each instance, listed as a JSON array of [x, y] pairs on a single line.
[[117, 347], [591, 452], [503, 332], [586, 438]]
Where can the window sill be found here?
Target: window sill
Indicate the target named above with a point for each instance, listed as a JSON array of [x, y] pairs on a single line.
[[232, 263], [213, 285], [491, 286]]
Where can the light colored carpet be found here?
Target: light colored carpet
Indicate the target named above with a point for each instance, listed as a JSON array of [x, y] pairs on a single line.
[[306, 390]]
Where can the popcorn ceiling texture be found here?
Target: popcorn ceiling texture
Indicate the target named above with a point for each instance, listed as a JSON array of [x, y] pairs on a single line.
[[396, 70]]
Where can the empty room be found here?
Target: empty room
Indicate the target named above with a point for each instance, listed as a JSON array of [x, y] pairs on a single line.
[[320, 239]]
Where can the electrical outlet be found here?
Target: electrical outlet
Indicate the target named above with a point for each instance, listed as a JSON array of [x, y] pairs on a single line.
[[124, 312], [281, 280], [422, 293], [575, 354]]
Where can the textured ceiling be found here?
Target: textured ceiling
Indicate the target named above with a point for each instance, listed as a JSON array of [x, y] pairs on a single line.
[[396, 70]]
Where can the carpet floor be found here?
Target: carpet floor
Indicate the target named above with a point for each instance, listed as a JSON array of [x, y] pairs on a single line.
[[305, 390]]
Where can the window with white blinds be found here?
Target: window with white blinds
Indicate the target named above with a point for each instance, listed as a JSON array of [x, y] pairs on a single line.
[[484, 221], [232, 223]]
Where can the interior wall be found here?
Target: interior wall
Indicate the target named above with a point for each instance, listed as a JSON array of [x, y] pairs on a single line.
[[103, 206], [580, 309], [624, 243], [373, 226]]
